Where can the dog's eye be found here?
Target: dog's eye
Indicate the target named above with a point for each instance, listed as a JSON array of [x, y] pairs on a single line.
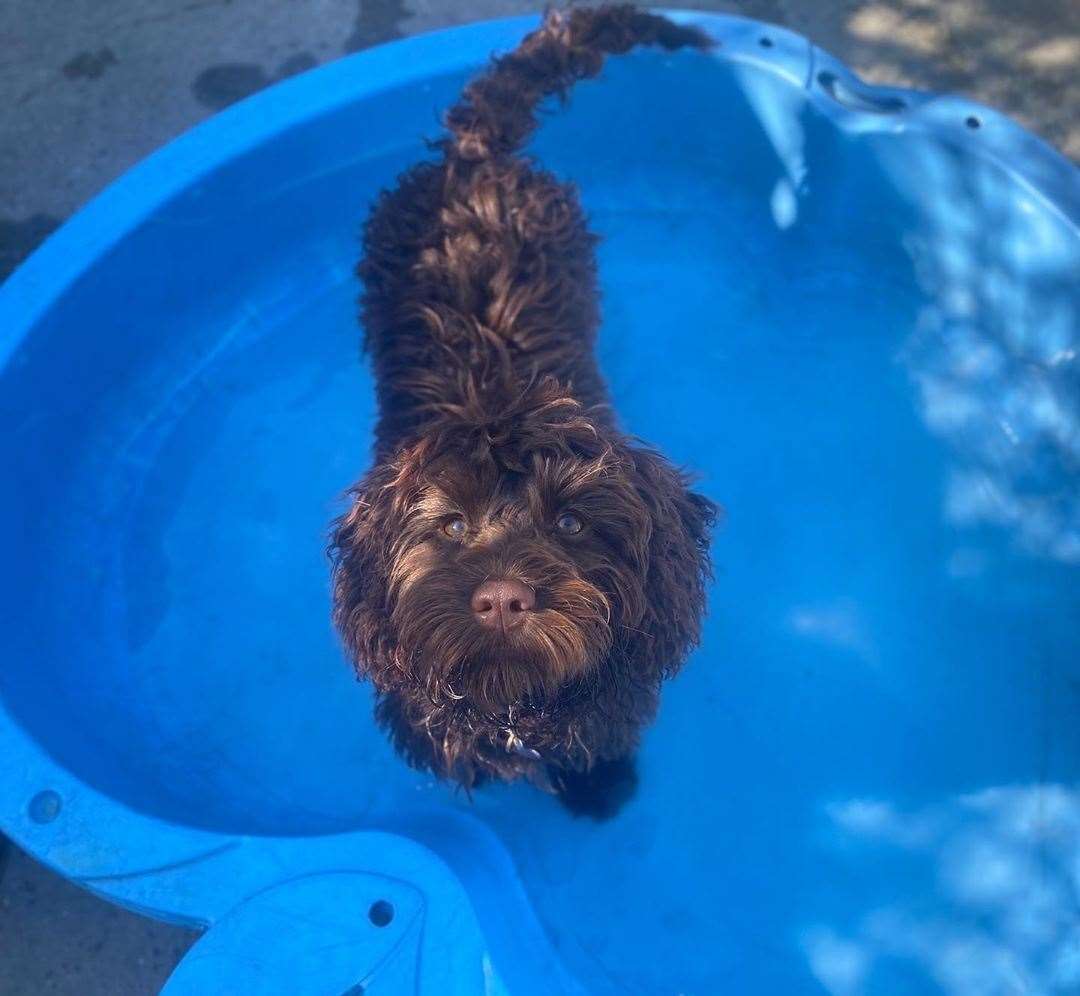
[[569, 523], [455, 528]]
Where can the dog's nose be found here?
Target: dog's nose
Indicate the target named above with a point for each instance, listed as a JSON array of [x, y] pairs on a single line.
[[502, 603]]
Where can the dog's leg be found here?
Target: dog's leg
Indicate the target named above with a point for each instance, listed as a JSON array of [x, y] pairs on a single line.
[[601, 792]]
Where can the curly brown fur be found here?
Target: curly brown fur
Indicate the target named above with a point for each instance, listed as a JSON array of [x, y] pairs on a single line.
[[480, 310]]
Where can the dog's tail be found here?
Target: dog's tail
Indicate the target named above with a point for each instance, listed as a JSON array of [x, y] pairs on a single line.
[[497, 112]]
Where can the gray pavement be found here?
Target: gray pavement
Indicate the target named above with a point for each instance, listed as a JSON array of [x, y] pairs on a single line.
[[90, 87]]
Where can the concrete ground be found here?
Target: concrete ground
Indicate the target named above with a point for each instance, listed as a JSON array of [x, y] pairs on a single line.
[[89, 88]]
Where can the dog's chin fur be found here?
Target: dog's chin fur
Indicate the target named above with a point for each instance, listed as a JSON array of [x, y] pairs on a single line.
[[480, 311]]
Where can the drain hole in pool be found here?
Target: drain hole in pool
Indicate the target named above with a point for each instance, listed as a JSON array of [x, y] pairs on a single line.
[[973, 122], [45, 806], [381, 913], [765, 42]]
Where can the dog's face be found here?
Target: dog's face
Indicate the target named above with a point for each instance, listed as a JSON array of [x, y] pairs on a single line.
[[500, 559]]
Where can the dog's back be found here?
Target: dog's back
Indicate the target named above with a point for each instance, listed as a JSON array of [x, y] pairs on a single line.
[[478, 269]]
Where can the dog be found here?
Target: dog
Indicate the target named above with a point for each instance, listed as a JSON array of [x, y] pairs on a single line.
[[514, 574]]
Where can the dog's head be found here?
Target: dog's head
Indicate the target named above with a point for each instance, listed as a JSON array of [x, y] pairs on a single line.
[[501, 557]]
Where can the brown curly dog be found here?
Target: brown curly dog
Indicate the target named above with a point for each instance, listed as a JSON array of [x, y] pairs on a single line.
[[515, 575]]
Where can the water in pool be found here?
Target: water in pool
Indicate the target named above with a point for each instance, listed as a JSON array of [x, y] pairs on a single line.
[[861, 781]]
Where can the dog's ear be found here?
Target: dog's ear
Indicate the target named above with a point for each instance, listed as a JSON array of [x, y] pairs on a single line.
[[678, 568], [360, 550]]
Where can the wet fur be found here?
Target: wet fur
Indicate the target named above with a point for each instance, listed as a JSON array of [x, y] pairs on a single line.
[[480, 309]]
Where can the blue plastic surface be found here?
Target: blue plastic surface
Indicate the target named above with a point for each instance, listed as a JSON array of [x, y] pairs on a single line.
[[853, 310]]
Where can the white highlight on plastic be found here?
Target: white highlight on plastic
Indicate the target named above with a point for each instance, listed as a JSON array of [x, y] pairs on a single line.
[[784, 204]]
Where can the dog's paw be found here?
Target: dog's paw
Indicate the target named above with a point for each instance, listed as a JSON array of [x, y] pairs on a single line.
[[599, 793]]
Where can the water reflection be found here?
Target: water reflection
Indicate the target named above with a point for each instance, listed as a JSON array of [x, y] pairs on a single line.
[[838, 623], [1005, 863], [994, 354]]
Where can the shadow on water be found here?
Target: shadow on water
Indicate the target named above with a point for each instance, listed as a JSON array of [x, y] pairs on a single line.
[[989, 900], [978, 891]]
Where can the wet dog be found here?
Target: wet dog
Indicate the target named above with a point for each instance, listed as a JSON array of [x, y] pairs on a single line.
[[515, 575]]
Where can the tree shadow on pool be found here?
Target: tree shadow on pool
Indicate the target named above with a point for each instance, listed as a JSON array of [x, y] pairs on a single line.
[[1004, 867]]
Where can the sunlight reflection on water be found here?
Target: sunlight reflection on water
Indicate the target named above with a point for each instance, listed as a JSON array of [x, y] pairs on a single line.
[[1007, 863]]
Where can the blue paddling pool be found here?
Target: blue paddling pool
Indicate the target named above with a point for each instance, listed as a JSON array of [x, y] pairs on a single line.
[[855, 312]]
